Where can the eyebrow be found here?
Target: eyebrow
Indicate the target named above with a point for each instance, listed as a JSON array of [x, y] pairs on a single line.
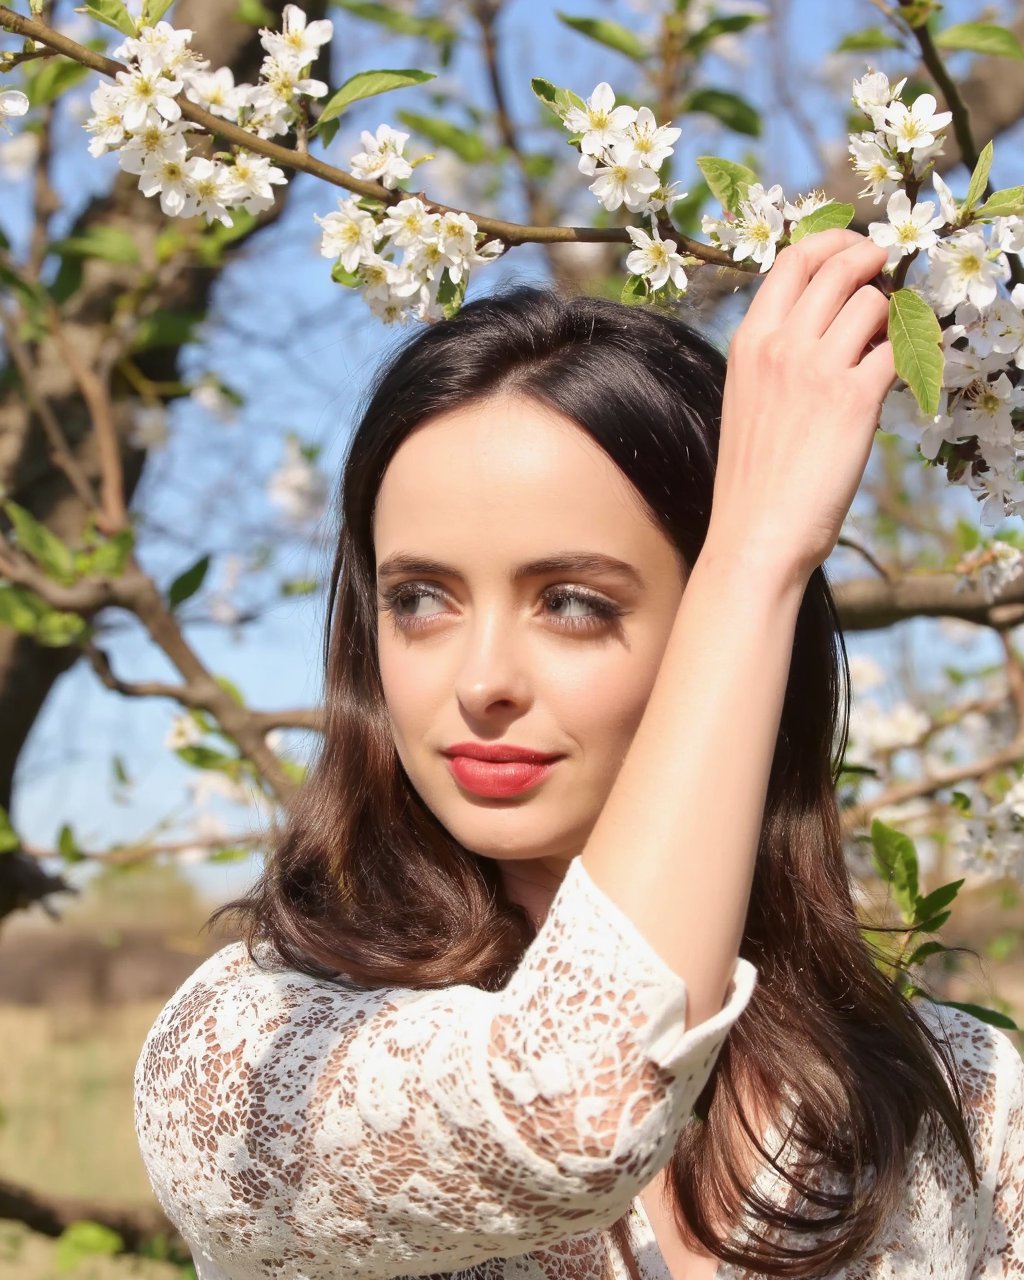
[[561, 562]]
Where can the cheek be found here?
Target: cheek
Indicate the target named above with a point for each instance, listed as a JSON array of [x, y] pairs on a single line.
[[600, 701]]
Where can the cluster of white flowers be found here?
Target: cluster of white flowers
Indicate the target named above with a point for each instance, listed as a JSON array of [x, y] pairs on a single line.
[[12, 103], [874, 730], [960, 265], [436, 247], [298, 487], [139, 116], [765, 218], [994, 567], [990, 842]]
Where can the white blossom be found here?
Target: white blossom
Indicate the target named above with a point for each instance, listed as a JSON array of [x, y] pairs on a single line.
[[653, 143], [107, 121], [155, 143], [759, 225], [148, 94], [915, 128], [297, 486], [872, 94], [250, 179], [873, 729], [902, 416], [208, 190], [794, 210], [875, 163], [907, 229], [148, 427], [408, 222], [166, 177], [947, 203], [655, 259], [1008, 234], [381, 157], [625, 179], [184, 732], [12, 103], [18, 155], [297, 42], [962, 269], [348, 233], [217, 92], [601, 122]]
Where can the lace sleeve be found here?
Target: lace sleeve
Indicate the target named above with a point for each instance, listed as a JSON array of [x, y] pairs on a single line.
[[295, 1127], [1001, 1252]]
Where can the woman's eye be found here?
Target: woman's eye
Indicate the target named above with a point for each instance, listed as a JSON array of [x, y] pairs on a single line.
[[571, 608]]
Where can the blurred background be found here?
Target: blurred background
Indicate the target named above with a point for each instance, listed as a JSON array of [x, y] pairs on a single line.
[[226, 370]]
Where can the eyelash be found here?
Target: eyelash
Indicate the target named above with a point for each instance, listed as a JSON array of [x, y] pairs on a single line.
[[604, 610]]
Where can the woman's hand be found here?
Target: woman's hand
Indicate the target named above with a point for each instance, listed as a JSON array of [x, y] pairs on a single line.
[[803, 393]]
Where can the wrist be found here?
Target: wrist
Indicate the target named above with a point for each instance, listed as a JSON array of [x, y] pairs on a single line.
[[753, 565]]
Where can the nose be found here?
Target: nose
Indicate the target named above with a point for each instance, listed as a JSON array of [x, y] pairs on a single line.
[[490, 671]]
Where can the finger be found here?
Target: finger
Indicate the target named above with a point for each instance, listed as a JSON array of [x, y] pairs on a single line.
[[832, 287], [878, 369], [794, 266], [861, 319]]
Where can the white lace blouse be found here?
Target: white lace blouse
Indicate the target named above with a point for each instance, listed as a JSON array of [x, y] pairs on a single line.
[[309, 1130]]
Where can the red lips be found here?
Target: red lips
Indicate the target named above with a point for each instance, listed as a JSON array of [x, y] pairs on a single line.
[[500, 753]]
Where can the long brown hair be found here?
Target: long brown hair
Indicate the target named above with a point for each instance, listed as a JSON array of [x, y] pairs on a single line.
[[365, 882]]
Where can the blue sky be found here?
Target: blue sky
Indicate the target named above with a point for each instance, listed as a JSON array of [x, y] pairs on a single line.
[[301, 350]]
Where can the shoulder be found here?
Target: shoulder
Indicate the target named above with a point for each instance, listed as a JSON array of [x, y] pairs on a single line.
[[990, 1071]]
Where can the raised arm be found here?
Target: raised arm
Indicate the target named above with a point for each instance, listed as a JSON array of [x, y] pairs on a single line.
[[674, 845]]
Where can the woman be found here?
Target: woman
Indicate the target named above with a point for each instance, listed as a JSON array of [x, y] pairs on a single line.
[[603, 1009]]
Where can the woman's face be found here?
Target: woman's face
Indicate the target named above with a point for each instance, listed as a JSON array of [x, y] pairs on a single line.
[[561, 660]]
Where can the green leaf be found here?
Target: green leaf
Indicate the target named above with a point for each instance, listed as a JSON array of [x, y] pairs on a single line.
[[20, 608], [54, 76], [450, 295], [917, 347], [981, 37], [634, 290], [57, 630], [979, 178], [867, 41], [396, 19], [67, 281], [154, 10], [895, 859], [736, 22], [120, 772], [51, 554], [255, 13], [201, 757], [109, 243], [733, 111], [165, 329], [108, 559], [111, 13], [556, 100], [188, 583], [81, 1240], [728, 181], [299, 586], [991, 1016], [68, 846], [366, 84], [926, 949], [237, 854], [933, 924], [611, 34], [468, 146], [231, 689], [341, 275], [822, 219], [9, 839], [936, 900], [1003, 204]]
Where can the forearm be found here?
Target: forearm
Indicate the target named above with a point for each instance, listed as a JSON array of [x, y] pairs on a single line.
[[675, 844]]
